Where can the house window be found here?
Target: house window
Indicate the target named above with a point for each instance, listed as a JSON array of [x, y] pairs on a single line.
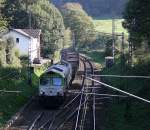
[[17, 40]]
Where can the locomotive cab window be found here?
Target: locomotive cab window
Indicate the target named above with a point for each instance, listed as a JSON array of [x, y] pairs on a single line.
[[44, 81], [57, 81]]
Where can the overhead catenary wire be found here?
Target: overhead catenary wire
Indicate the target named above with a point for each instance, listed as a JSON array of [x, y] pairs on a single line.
[[97, 94], [119, 90], [123, 76], [8, 91], [6, 76]]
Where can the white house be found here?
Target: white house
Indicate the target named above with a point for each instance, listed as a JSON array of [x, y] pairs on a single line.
[[27, 41]]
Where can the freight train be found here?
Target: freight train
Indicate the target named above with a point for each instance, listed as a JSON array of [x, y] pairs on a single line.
[[58, 78]]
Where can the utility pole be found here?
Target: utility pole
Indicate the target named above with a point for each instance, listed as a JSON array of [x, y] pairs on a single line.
[[73, 41], [130, 52], [29, 55], [113, 37], [122, 50]]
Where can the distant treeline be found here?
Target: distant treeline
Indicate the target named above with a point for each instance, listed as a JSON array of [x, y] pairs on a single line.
[[98, 8]]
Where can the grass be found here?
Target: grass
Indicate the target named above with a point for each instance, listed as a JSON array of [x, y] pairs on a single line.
[[97, 56], [106, 26]]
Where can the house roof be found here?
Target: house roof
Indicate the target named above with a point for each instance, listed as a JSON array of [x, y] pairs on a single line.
[[35, 33]]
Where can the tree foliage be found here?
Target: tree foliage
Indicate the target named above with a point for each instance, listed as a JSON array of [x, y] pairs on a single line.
[[67, 38], [98, 8], [14, 12], [8, 53], [79, 22], [49, 19], [137, 21], [3, 21], [44, 16]]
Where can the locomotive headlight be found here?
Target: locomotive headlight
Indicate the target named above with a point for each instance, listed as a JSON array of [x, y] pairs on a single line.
[[42, 92]]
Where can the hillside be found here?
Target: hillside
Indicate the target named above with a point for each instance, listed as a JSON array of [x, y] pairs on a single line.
[[98, 8]]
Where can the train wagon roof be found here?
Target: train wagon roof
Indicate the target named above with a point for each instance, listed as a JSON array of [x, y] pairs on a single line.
[[59, 69]]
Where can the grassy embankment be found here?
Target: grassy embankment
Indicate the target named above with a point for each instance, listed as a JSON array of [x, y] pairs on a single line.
[[125, 114], [129, 114], [15, 79]]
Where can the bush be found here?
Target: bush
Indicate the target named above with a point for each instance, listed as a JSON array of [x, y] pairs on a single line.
[[17, 53], [8, 56]]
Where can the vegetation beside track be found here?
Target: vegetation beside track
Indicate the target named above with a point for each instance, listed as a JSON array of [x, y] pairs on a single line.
[[97, 56], [15, 79], [129, 114], [126, 114]]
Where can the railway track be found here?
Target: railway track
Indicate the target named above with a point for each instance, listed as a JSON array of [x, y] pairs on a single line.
[[88, 117], [83, 111], [76, 113]]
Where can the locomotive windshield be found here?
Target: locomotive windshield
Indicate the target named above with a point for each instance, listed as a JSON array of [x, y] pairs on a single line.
[[44, 81], [57, 81]]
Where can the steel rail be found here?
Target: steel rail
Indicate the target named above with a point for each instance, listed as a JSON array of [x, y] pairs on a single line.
[[53, 119], [82, 93], [35, 121], [62, 113], [71, 115], [84, 111], [85, 107], [94, 112], [93, 91], [42, 126], [71, 101], [79, 108]]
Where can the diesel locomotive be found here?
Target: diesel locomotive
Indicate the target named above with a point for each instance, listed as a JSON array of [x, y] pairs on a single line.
[[57, 79]]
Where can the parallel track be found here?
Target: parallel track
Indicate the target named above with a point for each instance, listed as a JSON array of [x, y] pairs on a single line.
[[82, 112], [74, 114]]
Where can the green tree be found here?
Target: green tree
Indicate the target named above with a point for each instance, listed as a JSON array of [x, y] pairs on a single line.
[[8, 53], [98, 8], [14, 12], [2, 53], [49, 19], [67, 38], [137, 21], [3, 21], [79, 22], [44, 16]]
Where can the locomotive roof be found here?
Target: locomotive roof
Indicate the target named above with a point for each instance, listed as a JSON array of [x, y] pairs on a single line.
[[59, 68]]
